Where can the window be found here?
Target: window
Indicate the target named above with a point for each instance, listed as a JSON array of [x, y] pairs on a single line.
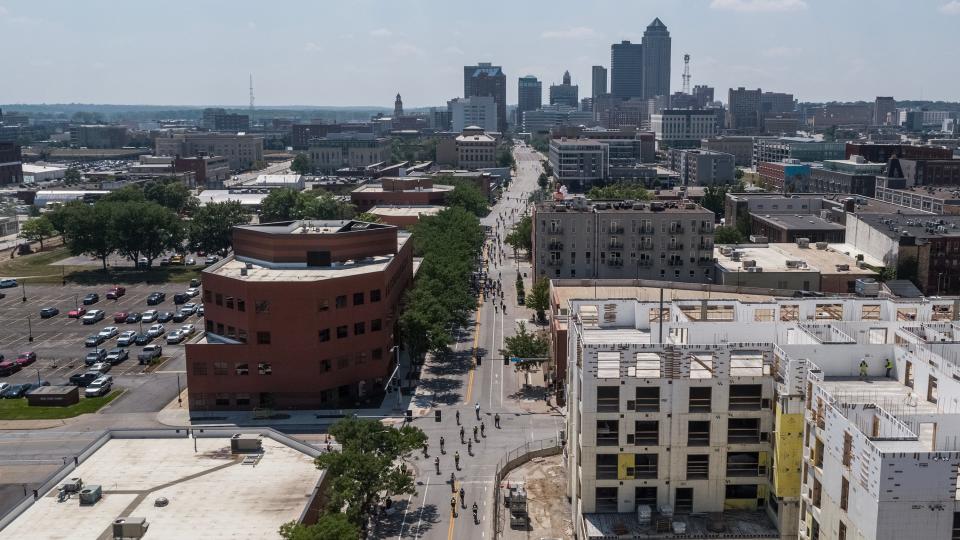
[[701, 366], [844, 492], [606, 466], [207, 296], [606, 498], [608, 399], [241, 368], [229, 302], [376, 325], [220, 328], [842, 531], [645, 495], [324, 335], [648, 365], [608, 433], [698, 433], [700, 398], [341, 301], [341, 332], [208, 324], [323, 304], [264, 368], [847, 458], [243, 399], [263, 338], [222, 400], [698, 466], [325, 365], [199, 368], [241, 335], [932, 393], [647, 399], [359, 328], [645, 465], [218, 299], [377, 354], [684, 500], [358, 299], [375, 295], [745, 397], [743, 430], [743, 464], [764, 314], [646, 433], [241, 305], [219, 368], [741, 491]]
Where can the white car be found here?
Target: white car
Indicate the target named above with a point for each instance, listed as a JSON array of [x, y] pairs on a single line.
[[102, 367], [4, 386], [99, 387], [109, 331], [189, 307], [126, 338], [149, 315], [175, 337], [156, 330], [193, 291], [93, 316], [188, 329]]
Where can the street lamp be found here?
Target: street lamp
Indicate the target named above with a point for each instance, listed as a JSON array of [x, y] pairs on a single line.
[[396, 373], [939, 275], [38, 377], [179, 397], [29, 329], [23, 287]]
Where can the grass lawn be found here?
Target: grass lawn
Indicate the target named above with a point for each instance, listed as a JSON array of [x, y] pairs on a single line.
[[17, 409], [36, 268]]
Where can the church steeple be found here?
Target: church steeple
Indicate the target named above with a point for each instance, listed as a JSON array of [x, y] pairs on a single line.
[[398, 107]]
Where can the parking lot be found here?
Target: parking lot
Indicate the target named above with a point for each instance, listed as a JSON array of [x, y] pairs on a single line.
[[59, 340]]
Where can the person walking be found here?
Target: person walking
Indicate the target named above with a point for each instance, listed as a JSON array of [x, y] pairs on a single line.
[[863, 368], [888, 366], [496, 420]]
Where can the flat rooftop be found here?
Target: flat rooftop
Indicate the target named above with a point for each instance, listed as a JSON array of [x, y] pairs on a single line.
[[571, 205], [775, 257], [736, 524], [563, 293], [407, 211], [211, 492], [919, 226], [378, 188], [799, 222]]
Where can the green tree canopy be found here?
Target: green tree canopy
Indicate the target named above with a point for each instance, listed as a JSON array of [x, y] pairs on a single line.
[[467, 195], [330, 526], [619, 192], [171, 193], [521, 236], [145, 229], [211, 228], [727, 235], [279, 205], [530, 348], [37, 229], [301, 164], [86, 229], [288, 204], [505, 156], [539, 298]]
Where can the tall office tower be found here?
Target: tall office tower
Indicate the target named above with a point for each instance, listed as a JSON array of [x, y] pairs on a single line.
[[776, 103], [743, 109], [566, 93], [884, 111], [599, 81], [656, 60], [626, 70], [485, 79], [703, 94], [398, 107], [529, 96]]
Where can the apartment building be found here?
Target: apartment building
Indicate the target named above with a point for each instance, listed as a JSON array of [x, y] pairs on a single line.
[[741, 415], [11, 164], [300, 316], [739, 145], [854, 176], [682, 128], [777, 149], [702, 167], [577, 238], [579, 164]]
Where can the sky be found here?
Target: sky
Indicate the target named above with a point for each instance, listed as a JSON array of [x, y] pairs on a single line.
[[362, 52]]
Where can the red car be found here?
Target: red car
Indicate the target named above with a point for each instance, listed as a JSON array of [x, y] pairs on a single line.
[[120, 316], [27, 358], [8, 367], [116, 292], [77, 313]]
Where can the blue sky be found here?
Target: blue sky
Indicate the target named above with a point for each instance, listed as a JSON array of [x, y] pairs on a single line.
[[362, 52]]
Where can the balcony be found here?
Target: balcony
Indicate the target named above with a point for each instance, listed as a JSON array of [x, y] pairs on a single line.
[[676, 247], [554, 262], [616, 229], [616, 244], [614, 262], [646, 230], [555, 245], [676, 229]]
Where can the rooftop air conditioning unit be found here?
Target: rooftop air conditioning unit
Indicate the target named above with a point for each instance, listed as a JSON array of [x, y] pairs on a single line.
[[243, 271], [90, 495], [242, 442], [72, 485], [749, 264], [755, 269], [794, 264], [803, 242], [843, 267], [758, 239], [822, 245], [130, 527]]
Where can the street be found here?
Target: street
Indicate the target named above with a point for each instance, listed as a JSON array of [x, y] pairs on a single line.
[[455, 384]]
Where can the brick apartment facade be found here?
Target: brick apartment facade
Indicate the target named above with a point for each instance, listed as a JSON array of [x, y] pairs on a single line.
[[301, 317]]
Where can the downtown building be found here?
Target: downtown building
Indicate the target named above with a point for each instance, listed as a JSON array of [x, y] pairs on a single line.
[[529, 95], [301, 316], [744, 110], [565, 93], [626, 70], [485, 79], [479, 111], [241, 151], [347, 151], [804, 149], [580, 239], [656, 61], [11, 164], [699, 167], [732, 413], [598, 76], [682, 128]]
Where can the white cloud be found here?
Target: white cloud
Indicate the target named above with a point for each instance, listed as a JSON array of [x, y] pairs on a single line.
[[781, 52], [381, 32], [759, 5], [454, 50], [402, 48], [576, 32], [3, 11], [251, 25], [951, 8], [312, 47]]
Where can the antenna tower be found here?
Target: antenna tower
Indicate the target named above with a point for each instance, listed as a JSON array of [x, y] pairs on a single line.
[[686, 75], [251, 98]]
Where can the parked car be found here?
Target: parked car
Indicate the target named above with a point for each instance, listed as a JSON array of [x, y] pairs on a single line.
[[181, 316], [94, 340], [8, 283], [194, 282], [8, 367], [190, 308], [156, 330], [142, 262], [116, 292], [193, 291], [91, 298], [16, 391], [48, 312], [149, 353], [83, 379], [181, 298], [120, 316], [94, 356], [77, 313], [211, 259], [126, 338], [98, 387], [188, 329], [26, 358], [109, 331], [4, 386], [93, 316], [149, 316], [190, 261], [156, 298], [133, 317], [143, 339], [115, 356], [102, 367], [175, 337], [164, 316], [200, 311], [165, 261]]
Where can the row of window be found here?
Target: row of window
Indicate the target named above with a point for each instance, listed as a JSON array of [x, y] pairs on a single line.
[[608, 498], [229, 301], [242, 369], [742, 397], [343, 331], [645, 466], [739, 431]]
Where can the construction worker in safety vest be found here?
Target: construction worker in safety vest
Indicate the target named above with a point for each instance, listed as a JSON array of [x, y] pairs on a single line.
[[888, 366], [863, 369]]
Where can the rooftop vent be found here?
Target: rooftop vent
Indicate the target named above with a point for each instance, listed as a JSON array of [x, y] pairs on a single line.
[[90, 495], [130, 527]]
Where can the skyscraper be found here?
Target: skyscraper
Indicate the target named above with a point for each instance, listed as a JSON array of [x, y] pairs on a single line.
[[485, 79], [656, 60], [626, 70], [884, 111], [599, 81], [529, 96], [743, 111], [703, 94], [566, 93]]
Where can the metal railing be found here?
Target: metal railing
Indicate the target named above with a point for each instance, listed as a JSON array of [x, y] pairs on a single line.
[[511, 460]]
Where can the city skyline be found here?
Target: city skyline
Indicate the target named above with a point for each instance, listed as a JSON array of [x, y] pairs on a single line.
[[805, 47]]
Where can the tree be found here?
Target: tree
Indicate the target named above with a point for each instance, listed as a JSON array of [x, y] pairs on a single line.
[[330, 526], [145, 229], [531, 349], [172, 194], [211, 228], [368, 217], [539, 298], [301, 164], [468, 196], [543, 181], [279, 205], [72, 175], [505, 156], [322, 205], [366, 465], [727, 235], [738, 174], [520, 237], [37, 229], [619, 192], [86, 229]]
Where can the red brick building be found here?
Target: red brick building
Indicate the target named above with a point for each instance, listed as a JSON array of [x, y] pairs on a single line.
[[400, 191], [302, 316]]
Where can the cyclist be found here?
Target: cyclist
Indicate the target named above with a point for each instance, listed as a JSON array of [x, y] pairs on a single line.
[[436, 461], [475, 509], [461, 434], [456, 459], [482, 432], [441, 444]]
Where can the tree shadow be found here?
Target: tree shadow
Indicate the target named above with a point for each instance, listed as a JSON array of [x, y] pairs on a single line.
[[423, 522], [530, 392]]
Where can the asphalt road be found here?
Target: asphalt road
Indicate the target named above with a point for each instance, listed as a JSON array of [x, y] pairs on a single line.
[[243, 179], [456, 384]]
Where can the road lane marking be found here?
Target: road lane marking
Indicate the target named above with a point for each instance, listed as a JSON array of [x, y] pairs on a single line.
[[453, 517], [404, 521]]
